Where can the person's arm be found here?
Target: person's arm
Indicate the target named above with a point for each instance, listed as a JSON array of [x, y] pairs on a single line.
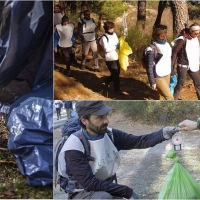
[[79, 167], [80, 31], [125, 141], [176, 49], [188, 125], [149, 60]]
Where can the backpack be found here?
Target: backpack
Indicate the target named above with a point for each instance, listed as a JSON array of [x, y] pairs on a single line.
[[72, 126], [100, 49], [154, 49]]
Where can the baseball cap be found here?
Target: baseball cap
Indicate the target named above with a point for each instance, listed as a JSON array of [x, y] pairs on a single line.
[[97, 108]]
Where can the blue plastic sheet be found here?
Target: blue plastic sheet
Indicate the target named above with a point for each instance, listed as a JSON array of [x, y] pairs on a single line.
[[26, 85], [31, 134], [173, 81], [26, 40]]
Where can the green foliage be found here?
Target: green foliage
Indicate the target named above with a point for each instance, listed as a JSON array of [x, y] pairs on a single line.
[[138, 42], [109, 10], [194, 11], [158, 112]]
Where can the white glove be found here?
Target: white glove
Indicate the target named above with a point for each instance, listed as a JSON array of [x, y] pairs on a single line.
[[169, 131], [153, 86]]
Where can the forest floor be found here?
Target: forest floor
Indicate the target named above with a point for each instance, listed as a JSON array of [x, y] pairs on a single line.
[[145, 170], [88, 84], [12, 184]]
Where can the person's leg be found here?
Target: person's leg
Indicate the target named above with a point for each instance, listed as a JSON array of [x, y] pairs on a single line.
[[114, 69], [196, 80], [182, 73], [67, 53], [95, 54], [68, 113], [85, 51], [92, 195], [162, 85], [57, 112], [110, 78]]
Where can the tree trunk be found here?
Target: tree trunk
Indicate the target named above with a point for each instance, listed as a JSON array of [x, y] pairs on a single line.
[[141, 16], [180, 15], [161, 7]]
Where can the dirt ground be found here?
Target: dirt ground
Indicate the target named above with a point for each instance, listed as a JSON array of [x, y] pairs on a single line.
[[145, 170], [87, 84]]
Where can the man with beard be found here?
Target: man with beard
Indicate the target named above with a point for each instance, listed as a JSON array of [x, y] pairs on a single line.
[[94, 179]]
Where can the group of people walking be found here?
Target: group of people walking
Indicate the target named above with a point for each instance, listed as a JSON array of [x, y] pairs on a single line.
[[160, 58], [64, 40]]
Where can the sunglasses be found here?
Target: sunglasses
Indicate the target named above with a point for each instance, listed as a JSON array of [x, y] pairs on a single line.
[[87, 14]]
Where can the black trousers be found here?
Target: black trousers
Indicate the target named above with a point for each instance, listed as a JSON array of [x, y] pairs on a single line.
[[67, 55], [182, 74], [114, 69]]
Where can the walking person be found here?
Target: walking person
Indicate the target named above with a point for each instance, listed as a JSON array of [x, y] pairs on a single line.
[[93, 179], [58, 106], [57, 16], [109, 41], [158, 63], [68, 108], [65, 38], [86, 30], [186, 49]]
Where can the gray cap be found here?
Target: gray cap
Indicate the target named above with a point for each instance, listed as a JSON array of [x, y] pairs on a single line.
[[97, 108]]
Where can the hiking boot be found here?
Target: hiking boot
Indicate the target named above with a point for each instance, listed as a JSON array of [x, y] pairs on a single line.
[[82, 67], [96, 69], [68, 72], [107, 85]]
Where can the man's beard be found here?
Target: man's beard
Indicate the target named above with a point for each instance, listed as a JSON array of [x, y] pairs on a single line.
[[98, 130]]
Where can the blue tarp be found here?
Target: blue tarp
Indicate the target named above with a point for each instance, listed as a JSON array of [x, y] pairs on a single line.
[[26, 84], [26, 47], [31, 134]]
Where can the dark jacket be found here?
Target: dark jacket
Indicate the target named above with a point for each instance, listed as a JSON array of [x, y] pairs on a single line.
[[80, 169], [151, 59], [179, 49], [68, 104]]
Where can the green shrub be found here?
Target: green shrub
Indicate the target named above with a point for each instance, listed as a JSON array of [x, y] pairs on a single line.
[[138, 42], [158, 112]]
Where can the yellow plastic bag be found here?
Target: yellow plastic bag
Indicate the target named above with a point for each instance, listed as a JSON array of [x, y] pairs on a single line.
[[124, 51]]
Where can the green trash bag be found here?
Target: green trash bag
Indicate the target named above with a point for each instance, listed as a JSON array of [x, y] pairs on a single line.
[[179, 184]]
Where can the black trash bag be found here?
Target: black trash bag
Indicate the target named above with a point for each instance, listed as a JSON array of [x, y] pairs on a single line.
[[26, 43], [30, 123]]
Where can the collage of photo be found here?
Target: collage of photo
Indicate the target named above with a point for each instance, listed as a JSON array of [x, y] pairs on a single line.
[[100, 99]]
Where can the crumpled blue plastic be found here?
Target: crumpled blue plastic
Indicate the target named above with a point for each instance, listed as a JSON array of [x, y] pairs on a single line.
[[26, 44], [173, 81], [30, 123]]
